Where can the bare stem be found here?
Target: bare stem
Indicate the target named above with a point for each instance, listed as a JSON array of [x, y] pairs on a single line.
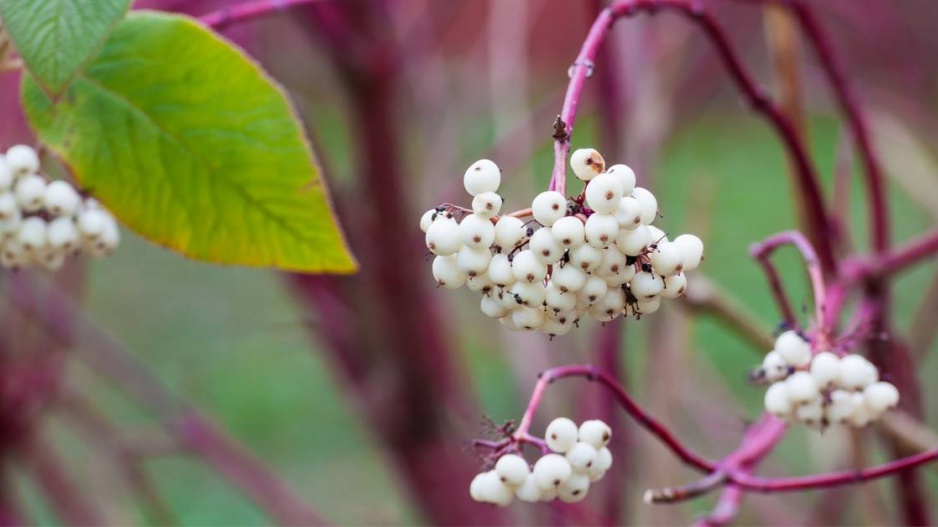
[[645, 420], [231, 15], [834, 479], [817, 221], [762, 251], [896, 260]]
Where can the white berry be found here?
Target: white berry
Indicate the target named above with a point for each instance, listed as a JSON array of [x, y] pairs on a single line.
[[500, 270], [880, 396], [473, 261], [601, 230], [646, 286], [477, 232], [443, 236], [482, 176], [561, 435], [793, 349], [648, 202], [594, 432], [692, 247], [486, 204], [777, 401], [587, 163], [527, 267], [626, 177], [528, 490], [62, 233], [22, 160], [512, 469], [668, 259], [551, 471], [633, 242], [674, 286], [825, 368], [774, 367], [30, 191], [568, 232], [801, 387], [574, 489], [855, 372], [603, 193], [509, 231], [548, 207], [61, 199], [446, 273], [568, 279], [545, 247]]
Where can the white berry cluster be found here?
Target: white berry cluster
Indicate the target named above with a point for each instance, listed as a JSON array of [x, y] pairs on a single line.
[[597, 254], [42, 222], [579, 457], [823, 388]]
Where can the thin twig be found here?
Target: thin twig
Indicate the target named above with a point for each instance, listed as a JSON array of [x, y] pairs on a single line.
[[230, 15], [761, 251], [644, 419]]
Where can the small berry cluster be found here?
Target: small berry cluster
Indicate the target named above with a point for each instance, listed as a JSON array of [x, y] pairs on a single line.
[[823, 388], [42, 222], [596, 254], [579, 457]]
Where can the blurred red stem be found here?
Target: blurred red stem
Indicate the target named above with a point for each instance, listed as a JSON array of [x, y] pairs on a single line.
[[65, 497], [891, 263], [856, 121], [230, 15], [59, 313]]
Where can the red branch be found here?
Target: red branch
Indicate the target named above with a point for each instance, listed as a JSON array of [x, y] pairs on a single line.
[[640, 415], [818, 223], [231, 15], [834, 479], [761, 252]]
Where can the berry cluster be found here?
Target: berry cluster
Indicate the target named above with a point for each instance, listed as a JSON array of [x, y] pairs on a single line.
[[579, 457], [596, 254], [42, 222], [823, 388]]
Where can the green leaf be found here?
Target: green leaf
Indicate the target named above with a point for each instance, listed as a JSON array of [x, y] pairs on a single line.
[[56, 38], [192, 146]]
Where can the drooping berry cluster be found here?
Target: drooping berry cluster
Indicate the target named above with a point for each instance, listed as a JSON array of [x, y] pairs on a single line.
[[596, 254], [823, 388], [579, 457], [43, 222]]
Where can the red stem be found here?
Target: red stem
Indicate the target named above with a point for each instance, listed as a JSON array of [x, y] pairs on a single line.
[[636, 412], [761, 251], [834, 479], [818, 222], [231, 15], [856, 122], [894, 261]]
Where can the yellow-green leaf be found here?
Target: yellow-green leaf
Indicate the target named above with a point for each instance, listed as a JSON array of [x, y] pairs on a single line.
[[192, 146]]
